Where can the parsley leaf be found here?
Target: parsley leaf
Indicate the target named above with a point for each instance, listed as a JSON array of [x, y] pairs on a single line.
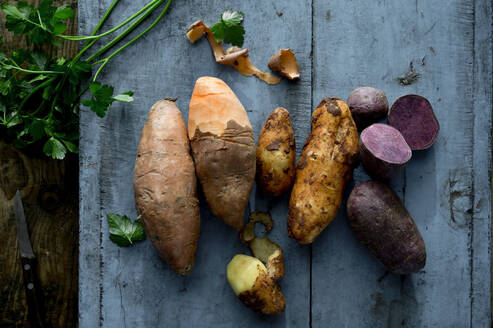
[[231, 18], [218, 31], [102, 98], [123, 231], [228, 29], [40, 25], [234, 35], [54, 148]]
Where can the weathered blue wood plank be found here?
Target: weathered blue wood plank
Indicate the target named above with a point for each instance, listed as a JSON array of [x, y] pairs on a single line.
[[446, 188], [133, 287]]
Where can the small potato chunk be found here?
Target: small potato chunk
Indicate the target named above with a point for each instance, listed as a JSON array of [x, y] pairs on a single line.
[[381, 222], [243, 271], [254, 279], [276, 154], [324, 168], [254, 286]]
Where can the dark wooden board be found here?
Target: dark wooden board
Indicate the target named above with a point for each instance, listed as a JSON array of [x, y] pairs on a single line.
[[340, 45], [49, 191]]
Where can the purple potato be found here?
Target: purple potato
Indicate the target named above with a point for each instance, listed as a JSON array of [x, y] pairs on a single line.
[[380, 221], [368, 105]]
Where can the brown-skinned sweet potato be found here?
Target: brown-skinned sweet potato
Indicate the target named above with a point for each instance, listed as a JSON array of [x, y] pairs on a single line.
[[383, 151], [223, 147], [324, 168], [276, 154], [381, 222], [165, 187]]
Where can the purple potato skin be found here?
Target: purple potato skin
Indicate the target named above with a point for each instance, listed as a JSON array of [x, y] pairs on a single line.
[[380, 221], [413, 116], [368, 105], [383, 151]]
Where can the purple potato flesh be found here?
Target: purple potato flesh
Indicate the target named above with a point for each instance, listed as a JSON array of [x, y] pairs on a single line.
[[413, 116], [383, 151]]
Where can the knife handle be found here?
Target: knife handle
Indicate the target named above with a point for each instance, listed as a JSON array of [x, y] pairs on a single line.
[[33, 293]]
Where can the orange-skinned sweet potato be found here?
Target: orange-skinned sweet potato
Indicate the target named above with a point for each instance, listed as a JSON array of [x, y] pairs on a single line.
[[165, 187], [223, 148]]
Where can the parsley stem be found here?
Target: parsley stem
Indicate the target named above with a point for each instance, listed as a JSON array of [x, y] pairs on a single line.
[[33, 91], [125, 22], [125, 33], [18, 68], [40, 20], [96, 29], [129, 43]]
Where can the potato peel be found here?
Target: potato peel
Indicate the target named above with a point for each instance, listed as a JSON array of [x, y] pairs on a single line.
[[284, 62], [234, 56], [247, 234]]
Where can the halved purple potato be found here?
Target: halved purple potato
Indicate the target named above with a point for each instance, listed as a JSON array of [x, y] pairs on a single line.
[[383, 151], [413, 116]]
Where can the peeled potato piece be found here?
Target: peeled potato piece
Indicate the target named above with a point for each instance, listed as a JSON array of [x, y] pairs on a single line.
[[254, 279]]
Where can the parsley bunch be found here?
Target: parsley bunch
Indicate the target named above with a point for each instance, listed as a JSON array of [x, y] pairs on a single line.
[[40, 95]]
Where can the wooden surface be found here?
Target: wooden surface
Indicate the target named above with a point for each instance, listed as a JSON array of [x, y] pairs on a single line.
[[49, 192], [340, 45]]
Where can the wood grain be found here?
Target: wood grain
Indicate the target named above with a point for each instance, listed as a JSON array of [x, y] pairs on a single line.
[[132, 287], [49, 191], [334, 283]]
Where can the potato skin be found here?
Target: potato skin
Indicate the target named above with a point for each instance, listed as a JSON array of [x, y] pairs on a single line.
[[276, 154], [265, 296], [381, 222], [165, 187], [368, 105], [325, 166]]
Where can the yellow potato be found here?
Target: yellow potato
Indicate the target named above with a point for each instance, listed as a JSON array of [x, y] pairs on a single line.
[[276, 154], [324, 168]]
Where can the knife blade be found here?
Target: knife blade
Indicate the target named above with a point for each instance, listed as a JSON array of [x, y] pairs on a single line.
[[28, 261], [25, 246]]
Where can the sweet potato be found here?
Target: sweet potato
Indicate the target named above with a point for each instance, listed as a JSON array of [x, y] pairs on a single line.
[[413, 116], [368, 105], [165, 187], [223, 148], [381, 222], [325, 166], [276, 154], [383, 151]]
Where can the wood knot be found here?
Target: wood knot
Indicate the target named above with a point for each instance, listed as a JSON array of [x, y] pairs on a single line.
[[50, 197]]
